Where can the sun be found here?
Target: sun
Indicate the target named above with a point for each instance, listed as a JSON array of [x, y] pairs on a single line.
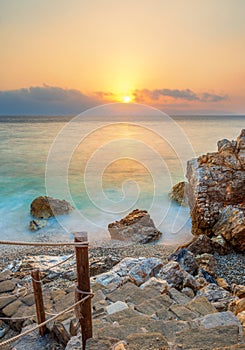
[[127, 99]]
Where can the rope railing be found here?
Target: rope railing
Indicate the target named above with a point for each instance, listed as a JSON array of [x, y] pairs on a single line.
[[82, 296], [17, 337], [45, 244]]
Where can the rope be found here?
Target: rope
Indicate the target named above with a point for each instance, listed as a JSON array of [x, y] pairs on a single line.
[[45, 244], [60, 263], [16, 318], [8, 341], [82, 292]]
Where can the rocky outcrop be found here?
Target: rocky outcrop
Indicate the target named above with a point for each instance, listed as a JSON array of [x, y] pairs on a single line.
[[217, 185], [44, 207], [179, 193], [137, 227]]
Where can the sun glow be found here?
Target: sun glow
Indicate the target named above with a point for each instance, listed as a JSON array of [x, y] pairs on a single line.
[[127, 99]]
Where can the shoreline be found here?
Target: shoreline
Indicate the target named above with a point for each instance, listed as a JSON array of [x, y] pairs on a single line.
[[116, 249]]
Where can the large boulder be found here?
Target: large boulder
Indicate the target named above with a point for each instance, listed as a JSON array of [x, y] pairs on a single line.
[[137, 227], [44, 207], [178, 193], [217, 180]]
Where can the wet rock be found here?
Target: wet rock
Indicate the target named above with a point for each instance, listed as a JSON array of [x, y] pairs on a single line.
[[186, 260], [216, 180], [179, 193], [231, 225], [36, 224], [137, 227], [44, 207]]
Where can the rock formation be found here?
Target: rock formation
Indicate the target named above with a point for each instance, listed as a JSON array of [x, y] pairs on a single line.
[[179, 193], [46, 207], [137, 227], [217, 191]]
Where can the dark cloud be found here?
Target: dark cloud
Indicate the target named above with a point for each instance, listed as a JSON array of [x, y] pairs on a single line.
[[207, 97], [51, 100], [186, 95], [44, 100]]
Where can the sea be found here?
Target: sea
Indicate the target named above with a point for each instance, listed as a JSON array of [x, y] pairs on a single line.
[[105, 164]]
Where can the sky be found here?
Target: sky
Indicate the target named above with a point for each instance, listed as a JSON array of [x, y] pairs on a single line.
[[63, 56]]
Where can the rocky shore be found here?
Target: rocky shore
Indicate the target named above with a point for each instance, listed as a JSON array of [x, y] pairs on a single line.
[[146, 296]]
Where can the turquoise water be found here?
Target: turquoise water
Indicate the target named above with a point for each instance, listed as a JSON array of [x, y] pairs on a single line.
[[113, 170]]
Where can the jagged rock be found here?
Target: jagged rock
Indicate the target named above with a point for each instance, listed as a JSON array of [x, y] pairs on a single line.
[[37, 224], [176, 276], [179, 193], [216, 181], [208, 263], [188, 292], [231, 225], [137, 227], [156, 283], [137, 270], [186, 260], [222, 283], [220, 245], [200, 245], [238, 290], [144, 270], [237, 306], [215, 294], [44, 207]]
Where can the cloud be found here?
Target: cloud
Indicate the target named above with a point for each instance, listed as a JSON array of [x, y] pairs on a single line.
[[44, 100], [53, 100], [143, 95]]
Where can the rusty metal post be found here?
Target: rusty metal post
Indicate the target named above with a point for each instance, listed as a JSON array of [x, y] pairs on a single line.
[[38, 295], [83, 284]]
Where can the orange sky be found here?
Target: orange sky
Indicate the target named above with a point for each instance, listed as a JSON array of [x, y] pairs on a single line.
[[118, 47]]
